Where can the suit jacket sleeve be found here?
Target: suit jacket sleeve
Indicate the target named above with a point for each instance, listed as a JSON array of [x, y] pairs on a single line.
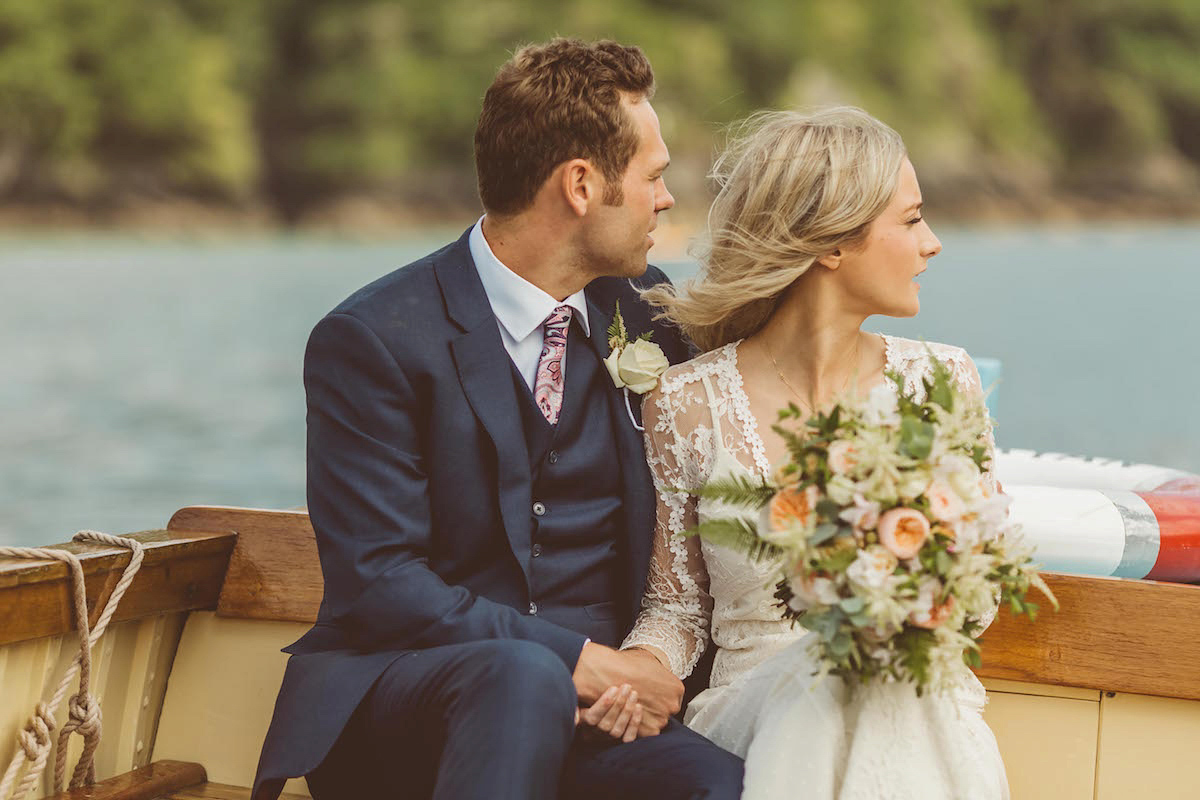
[[369, 504]]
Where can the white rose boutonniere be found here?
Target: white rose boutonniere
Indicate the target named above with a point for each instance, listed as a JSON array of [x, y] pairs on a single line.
[[635, 366]]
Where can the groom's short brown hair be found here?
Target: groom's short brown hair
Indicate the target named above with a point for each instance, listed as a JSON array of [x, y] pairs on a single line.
[[553, 102]]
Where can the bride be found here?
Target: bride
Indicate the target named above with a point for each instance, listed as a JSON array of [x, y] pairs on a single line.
[[817, 226]]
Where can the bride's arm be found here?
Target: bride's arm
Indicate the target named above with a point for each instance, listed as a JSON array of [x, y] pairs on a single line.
[[973, 384], [968, 375], [676, 608]]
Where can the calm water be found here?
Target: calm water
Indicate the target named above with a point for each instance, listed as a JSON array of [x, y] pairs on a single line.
[[140, 376]]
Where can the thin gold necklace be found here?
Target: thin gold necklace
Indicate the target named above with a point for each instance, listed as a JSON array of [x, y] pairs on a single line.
[[810, 403]]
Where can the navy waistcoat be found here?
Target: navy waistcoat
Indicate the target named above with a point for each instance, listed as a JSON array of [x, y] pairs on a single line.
[[577, 508]]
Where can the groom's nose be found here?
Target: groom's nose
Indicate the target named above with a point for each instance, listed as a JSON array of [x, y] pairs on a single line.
[[663, 198]]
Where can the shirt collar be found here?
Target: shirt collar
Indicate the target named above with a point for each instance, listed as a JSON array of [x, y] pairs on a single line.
[[520, 306]]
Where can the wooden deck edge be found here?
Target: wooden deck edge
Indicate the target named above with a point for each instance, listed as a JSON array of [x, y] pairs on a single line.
[[1110, 634], [181, 571]]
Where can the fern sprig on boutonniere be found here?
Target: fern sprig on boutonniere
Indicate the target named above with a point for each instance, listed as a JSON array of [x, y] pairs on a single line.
[[634, 365]]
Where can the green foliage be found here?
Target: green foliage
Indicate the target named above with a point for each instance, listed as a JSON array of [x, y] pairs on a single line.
[[618, 336], [737, 491], [916, 438], [296, 100], [737, 534]]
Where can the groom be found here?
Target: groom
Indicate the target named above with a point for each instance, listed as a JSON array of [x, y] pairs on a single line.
[[482, 505]]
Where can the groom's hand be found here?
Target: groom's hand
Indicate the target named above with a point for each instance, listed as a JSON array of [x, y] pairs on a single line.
[[660, 693]]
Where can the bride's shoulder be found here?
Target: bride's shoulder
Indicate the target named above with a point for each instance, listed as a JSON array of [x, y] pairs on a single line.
[[912, 358], [713, 362]]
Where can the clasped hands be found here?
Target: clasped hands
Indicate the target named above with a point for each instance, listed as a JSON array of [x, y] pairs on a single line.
[[624, 694]]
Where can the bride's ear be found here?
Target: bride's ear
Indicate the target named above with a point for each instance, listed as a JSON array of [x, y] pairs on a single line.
[[832, 260]]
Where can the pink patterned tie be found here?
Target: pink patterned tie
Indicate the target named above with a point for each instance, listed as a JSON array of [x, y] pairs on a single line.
[[548, 385]]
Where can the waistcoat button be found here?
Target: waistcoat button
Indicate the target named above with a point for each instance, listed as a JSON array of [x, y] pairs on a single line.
[[539, 508], [533, 609]]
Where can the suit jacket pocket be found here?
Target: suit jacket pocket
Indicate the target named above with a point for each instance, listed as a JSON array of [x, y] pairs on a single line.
[[601, 612]]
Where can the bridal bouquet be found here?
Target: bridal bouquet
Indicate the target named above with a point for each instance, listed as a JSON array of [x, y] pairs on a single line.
[[894, 545]]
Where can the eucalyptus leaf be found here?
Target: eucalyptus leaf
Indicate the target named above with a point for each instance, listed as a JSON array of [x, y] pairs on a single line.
[[916, 438], [823, 533], [852, 605]]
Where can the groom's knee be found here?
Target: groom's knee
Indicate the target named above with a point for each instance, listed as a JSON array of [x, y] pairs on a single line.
[[516, 672]]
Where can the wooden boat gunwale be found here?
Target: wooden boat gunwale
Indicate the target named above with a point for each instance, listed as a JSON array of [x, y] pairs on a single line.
[[253, 575]]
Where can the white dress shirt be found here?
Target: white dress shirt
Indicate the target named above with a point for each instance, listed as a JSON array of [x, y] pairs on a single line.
[[520, 307]]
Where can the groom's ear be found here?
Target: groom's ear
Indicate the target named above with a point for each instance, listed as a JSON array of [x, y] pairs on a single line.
[[579, 185]]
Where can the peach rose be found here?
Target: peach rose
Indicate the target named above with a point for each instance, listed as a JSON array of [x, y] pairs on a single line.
[[791, 507], [903, 531], [843, 457], [944, 502], [935, 616]]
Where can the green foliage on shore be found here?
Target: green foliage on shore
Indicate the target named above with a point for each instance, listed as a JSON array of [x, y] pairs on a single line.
[[293, 102]]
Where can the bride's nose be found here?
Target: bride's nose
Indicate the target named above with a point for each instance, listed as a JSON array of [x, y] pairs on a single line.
[[930, 245]]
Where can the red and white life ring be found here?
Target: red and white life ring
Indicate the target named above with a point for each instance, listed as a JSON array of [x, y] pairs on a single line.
[[1100, 517]]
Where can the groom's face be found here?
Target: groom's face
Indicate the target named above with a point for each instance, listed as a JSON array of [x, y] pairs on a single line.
[[619, 236]]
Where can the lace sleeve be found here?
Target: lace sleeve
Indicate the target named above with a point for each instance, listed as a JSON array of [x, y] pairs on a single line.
[[676, 608], [911, 359], [967, 374]]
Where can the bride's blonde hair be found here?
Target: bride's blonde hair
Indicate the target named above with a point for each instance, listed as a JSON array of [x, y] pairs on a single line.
[[793, 187]]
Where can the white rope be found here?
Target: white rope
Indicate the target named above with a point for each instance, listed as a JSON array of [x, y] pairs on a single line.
[[34, 742]]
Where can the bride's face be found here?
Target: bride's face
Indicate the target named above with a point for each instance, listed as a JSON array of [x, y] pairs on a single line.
[[879, 276]]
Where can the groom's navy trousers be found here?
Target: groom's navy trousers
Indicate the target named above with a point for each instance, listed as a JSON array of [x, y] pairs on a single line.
[[469, 550]]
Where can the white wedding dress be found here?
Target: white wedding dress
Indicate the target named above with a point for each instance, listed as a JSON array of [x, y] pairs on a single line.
[[801, 737]]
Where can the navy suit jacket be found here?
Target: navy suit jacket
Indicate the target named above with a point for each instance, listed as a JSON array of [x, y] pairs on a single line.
[[419, 490]]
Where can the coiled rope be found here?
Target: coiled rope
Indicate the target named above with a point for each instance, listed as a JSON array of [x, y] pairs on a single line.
[[83, 711]]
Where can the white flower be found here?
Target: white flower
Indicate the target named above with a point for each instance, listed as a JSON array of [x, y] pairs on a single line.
[[611, 364], [881, 407], [913, 483], [944, 502], [872, 568], [882, 487], [882, 656], [967, 534], [841, 490], [813, 591], [863, 515], [636, 366], [993, 511], [885, 610], [922, 607], [960, 472]]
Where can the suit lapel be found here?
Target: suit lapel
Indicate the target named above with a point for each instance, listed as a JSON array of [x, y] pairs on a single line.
[[637, 489], [483, 369]]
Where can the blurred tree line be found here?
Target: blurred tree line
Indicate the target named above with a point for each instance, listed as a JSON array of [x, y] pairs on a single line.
[[290, 103]]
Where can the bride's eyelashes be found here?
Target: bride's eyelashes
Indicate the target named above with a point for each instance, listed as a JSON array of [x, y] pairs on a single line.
[[914, 221]]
